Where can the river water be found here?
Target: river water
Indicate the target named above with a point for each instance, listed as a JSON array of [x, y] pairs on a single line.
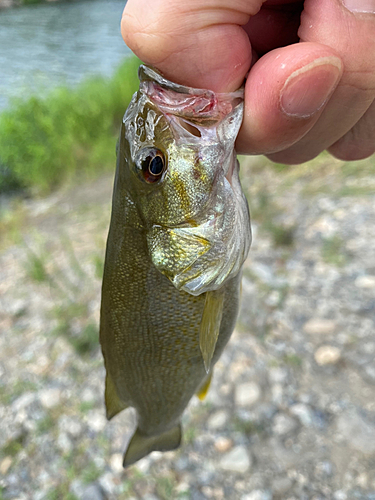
[[42, 46]]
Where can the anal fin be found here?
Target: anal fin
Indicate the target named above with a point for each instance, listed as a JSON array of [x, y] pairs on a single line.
[[141, 445], [210, 325], [203, 389], [113, 403]]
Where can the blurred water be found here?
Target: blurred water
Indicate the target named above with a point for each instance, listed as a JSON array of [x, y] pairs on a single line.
[[42, 46]]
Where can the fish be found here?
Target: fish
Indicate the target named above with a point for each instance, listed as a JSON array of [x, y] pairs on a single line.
[[178, 237]]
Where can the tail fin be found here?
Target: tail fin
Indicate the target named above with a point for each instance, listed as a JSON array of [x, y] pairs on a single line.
[[140, 445]]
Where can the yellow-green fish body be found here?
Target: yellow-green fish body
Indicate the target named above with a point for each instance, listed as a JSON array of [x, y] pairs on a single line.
[[178, 237]]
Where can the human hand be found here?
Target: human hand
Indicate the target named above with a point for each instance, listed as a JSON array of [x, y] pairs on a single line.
[[300, 98]]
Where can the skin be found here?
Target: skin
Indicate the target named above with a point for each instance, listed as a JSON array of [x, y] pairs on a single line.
[[311, 84]]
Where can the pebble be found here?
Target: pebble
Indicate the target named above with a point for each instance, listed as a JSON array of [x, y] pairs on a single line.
[[281, 485], [283, 424], [217, 420], [319, 326], [93, 492], [366, 281], [96, 420], [327, 355], [247, 394], [5, 465], [257, 495], [49, 398], [303, 413], [236, 460], [116, 462], [223, 444], [357, 432]]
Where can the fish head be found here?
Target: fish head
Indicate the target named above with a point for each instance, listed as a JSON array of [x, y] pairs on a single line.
[[177, 144]]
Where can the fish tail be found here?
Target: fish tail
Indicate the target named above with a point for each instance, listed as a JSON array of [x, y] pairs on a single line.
[[141, 445]]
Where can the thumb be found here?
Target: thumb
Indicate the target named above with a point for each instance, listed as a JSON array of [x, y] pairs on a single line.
[[285, 94]]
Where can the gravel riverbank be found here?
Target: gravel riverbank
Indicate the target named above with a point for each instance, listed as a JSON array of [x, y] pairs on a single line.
[[291, 410]]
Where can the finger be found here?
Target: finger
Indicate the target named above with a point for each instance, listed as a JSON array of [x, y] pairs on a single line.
[[285, 94], [359, 142], [200, 44], [274, 26], [352, 36]]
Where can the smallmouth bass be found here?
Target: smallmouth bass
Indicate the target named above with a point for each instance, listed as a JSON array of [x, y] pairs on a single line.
[[178, 237]]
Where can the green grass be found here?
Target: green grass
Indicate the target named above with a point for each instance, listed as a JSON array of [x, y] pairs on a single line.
[[47, 141], [333, 251]]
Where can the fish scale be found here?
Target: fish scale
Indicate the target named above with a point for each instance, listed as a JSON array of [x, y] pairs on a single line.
[[175, 248]]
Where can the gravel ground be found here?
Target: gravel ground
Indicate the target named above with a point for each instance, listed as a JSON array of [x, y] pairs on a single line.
[[291, 410]]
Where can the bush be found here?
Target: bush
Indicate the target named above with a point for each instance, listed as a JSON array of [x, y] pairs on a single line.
[[46, 141]]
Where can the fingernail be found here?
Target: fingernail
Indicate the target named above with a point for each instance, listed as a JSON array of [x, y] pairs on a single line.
[[360, 6], [307, 90]]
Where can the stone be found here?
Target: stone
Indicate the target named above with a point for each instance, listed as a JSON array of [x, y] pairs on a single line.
[[327, 355], [281, 485], [223, 444], [236, 460], [247, 394], [5, 465], [96, 420], [217, 420], [49, 398], [116, 462], [357, 432], [319, 326], [283, 424], [93, 492], [303, 413], [366, 281], [257, 495]]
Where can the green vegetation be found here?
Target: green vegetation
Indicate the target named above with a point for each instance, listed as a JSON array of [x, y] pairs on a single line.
[[46, 141], [333, 251]]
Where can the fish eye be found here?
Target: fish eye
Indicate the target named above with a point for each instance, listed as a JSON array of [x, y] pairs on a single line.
[[152, 164]]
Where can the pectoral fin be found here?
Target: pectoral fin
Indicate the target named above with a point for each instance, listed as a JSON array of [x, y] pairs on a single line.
[[113, 403], [210, 325], [140, 445]]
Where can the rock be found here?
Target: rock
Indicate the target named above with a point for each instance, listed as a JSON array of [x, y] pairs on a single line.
[[357, 432], [96, 420], [116, 462], [93, 492], [319, 326], [327, 355], [281, 485], [5, 465], [237, 460], [49, 398], [303, 413], [217, 420], [366, 281], [247, 394], [70, 425], [283, 424], [64, 442], [277, 375], [257, 495], [223, 444]]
